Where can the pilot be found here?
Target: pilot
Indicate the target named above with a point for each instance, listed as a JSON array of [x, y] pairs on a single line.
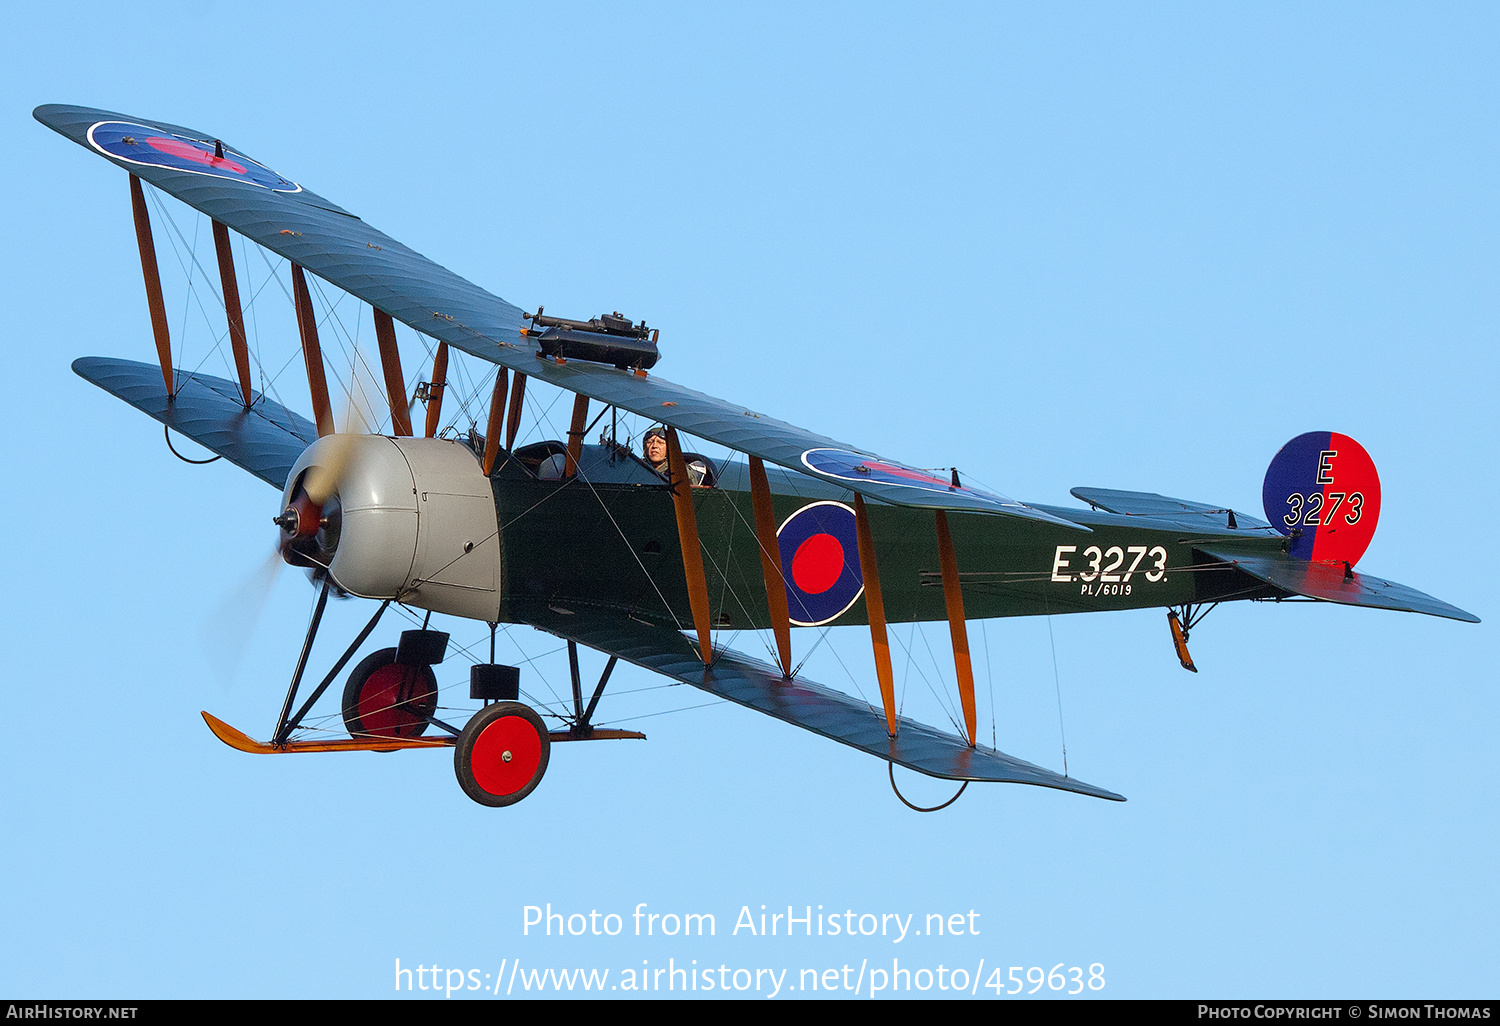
[[654, 444]]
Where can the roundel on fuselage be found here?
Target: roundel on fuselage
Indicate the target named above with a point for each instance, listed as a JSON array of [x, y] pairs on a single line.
[[820, 562]]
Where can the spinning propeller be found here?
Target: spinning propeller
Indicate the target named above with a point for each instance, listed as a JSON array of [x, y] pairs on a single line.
[[311, 521], [310, 527]]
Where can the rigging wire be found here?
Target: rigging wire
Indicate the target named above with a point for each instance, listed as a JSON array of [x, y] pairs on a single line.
[[765, 635], [354, 356], [188, 297], [193, 297], [252, 341], [942, 705], [580, 475], [466, 651], [546, 707], [356, 390], [989, 674], [667, 712], [468, 393], [1057, 683], [467, 383], [276, 276]]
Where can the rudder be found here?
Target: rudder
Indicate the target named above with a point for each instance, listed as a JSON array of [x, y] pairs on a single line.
[[1322, 491]]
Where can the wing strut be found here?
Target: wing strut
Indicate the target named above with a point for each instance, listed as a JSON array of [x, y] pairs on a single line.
[[435, 389], [312, 353], [233, 311], [953, 598], [513, 417], [153, 282], [687, 537], [770, 563], [395, 380], [575, 433], [492, 429], [875, 606]]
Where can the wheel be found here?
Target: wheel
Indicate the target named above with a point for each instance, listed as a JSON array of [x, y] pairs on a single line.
[[502, 754], [383, 699]]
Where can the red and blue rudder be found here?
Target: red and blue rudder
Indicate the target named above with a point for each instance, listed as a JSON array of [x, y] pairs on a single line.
[[1322, 491]]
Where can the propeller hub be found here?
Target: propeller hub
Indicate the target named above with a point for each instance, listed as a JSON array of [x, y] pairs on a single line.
[[301, 519]]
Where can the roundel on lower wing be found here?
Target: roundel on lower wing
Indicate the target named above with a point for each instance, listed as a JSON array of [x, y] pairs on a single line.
[[1322, 491], [156, 147], [820, 562]]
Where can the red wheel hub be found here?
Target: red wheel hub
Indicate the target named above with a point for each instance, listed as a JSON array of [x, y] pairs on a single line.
[[506, 755], [391, 703]]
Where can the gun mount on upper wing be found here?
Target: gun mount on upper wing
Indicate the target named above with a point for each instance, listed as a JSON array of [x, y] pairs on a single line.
[[608, 338]]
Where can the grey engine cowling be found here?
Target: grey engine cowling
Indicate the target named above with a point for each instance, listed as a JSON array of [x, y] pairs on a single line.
[[409, 518]]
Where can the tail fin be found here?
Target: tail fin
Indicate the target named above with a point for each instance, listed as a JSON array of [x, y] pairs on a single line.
[[1322, 494], [1322, 491]]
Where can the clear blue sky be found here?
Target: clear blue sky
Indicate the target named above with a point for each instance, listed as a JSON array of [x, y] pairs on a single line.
[[1135, 248]]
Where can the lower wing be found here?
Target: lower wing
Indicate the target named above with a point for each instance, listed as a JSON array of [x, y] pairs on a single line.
[[760, 686]]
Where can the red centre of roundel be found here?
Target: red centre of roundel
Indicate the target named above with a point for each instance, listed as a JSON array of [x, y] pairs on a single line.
[[187, 151], [818, 563]]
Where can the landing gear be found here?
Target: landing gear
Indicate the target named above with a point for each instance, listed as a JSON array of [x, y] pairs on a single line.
[[385, 699], [502, 754]]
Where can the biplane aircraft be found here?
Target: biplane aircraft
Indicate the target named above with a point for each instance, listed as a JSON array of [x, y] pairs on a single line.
[[633, 557]]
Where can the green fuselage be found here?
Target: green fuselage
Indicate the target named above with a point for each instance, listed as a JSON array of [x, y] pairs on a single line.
[[608, 538]]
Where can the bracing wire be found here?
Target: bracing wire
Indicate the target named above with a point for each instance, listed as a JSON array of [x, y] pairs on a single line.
[[989, 673], [1057, 684]]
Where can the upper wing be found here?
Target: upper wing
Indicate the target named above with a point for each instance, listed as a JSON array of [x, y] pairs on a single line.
[[334, 244], [832, 714]]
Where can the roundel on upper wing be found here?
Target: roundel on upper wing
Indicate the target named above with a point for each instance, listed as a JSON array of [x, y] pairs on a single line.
[[848, 465], [156, 147], [820, 562], [1322, 491]]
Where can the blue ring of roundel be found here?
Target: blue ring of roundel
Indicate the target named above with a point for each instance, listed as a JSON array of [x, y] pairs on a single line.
[[833, 519], [133, 142]]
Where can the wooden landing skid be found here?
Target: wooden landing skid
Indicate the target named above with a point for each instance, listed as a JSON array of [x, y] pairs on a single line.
[[243, 742], [240, 741]]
